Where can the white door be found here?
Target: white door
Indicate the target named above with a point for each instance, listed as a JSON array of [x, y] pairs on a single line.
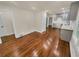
[[1, 28]]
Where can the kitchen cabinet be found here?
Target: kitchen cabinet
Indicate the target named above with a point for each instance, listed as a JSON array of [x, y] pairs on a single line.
[[66, 35]]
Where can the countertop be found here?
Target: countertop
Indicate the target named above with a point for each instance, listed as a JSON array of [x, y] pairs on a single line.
[[64, 26]]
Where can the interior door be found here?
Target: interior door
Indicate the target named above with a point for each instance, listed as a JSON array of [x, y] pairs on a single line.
[[1, 27]]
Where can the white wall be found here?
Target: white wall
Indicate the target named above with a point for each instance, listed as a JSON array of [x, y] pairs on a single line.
[[23, 22], [26, 21], [74, 43]]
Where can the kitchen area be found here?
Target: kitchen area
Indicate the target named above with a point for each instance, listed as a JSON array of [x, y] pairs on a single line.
[[67, 21], [60, 21]]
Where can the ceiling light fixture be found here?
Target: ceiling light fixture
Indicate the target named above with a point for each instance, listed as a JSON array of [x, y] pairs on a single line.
[[33, 8]]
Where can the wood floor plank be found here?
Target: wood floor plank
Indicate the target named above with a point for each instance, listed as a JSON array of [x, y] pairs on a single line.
[[36, 44]]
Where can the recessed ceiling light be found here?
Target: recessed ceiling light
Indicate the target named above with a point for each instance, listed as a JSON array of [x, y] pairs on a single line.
[[33, 8], [62, 8]]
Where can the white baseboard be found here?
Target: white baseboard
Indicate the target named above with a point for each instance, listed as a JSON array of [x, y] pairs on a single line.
[[25, 33], [22, 34]]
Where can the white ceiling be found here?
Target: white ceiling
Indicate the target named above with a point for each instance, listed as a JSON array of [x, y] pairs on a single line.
[[51, 6]]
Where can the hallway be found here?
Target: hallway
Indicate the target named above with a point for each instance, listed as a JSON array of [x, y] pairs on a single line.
[[43, 44]]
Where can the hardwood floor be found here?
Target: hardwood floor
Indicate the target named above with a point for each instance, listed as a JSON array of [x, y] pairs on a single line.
[[35, 44]]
